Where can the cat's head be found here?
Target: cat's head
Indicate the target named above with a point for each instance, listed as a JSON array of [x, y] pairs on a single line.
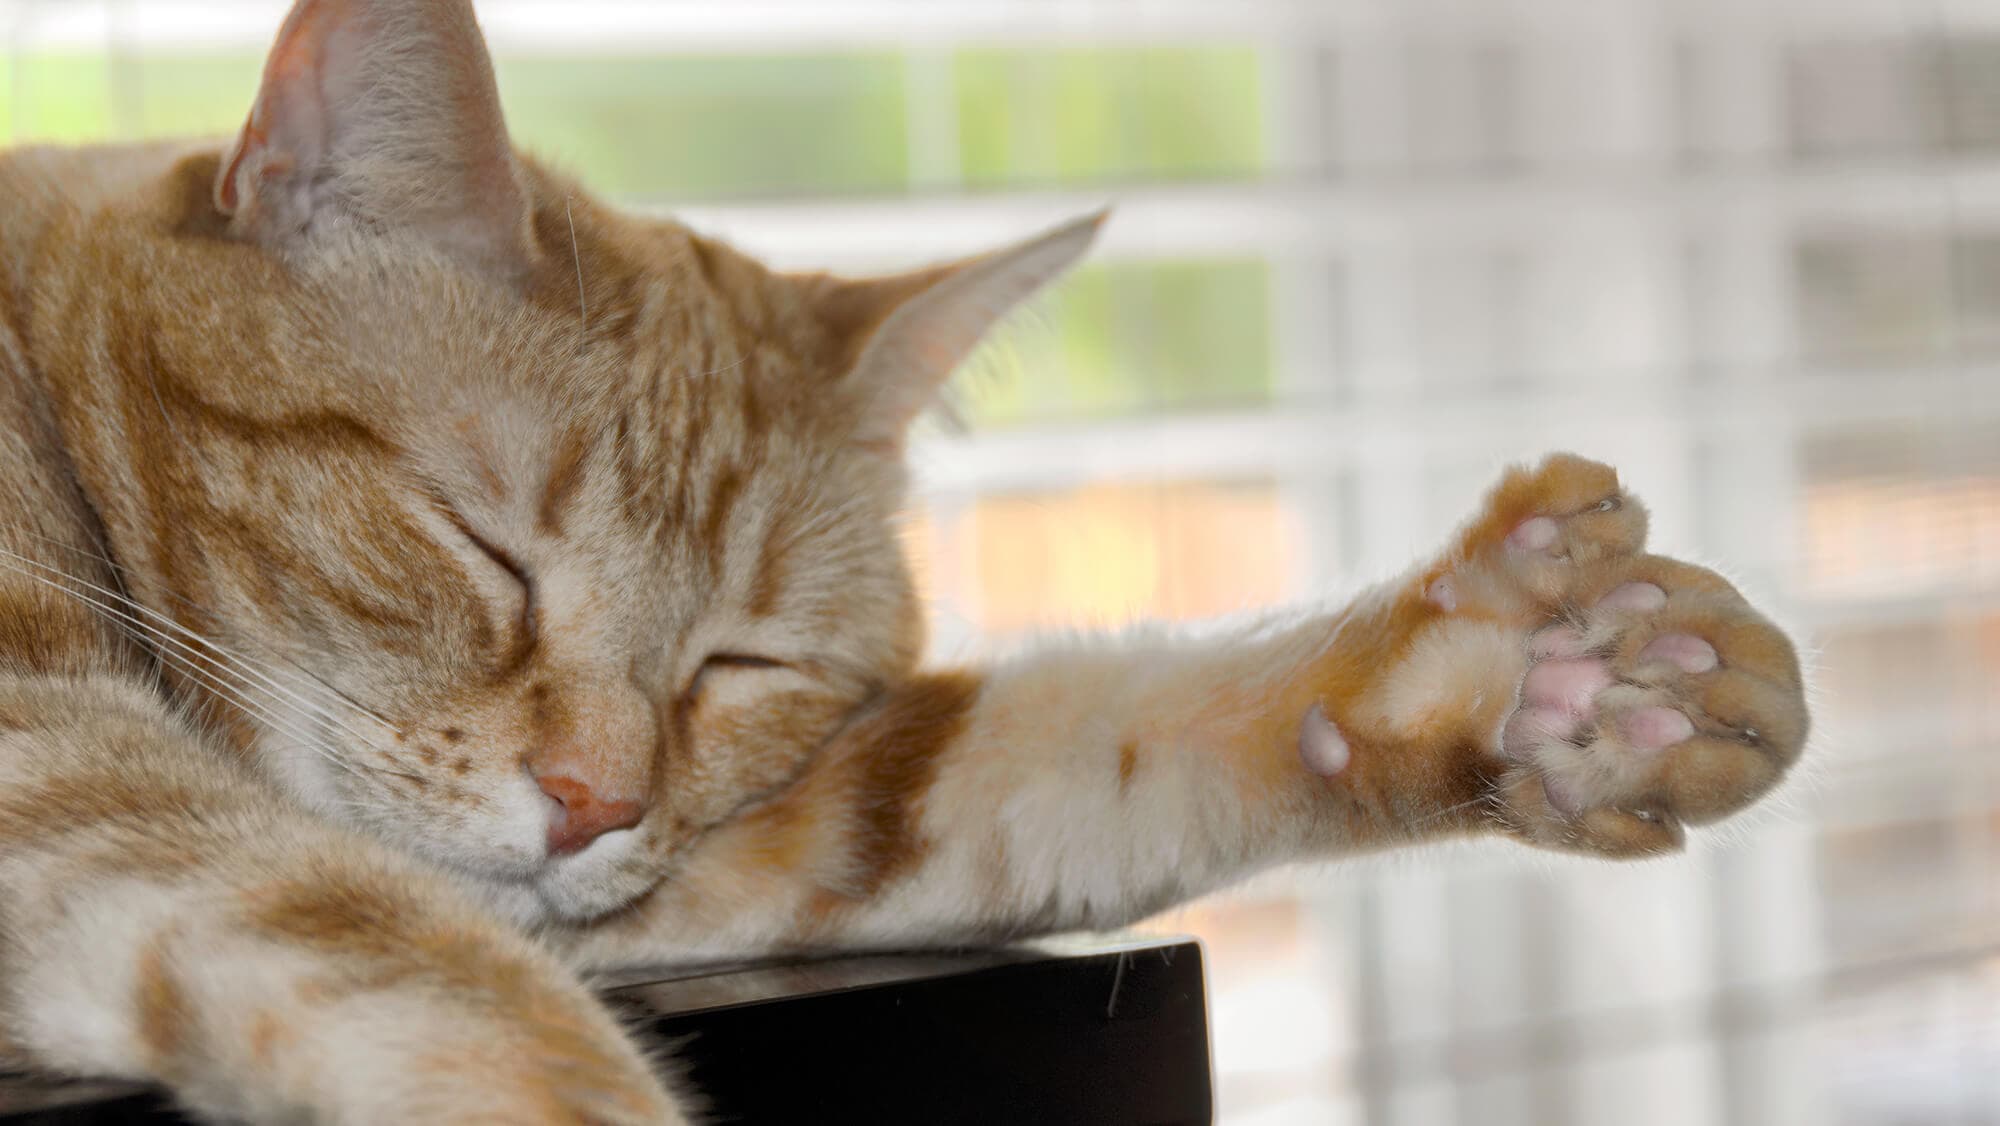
[[553, 535]]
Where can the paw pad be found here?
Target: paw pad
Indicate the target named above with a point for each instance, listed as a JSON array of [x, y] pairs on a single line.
[[1630, 719], [1685, 652], [1442, 594], [1652, 729], [1569, 685], [1537, 534]]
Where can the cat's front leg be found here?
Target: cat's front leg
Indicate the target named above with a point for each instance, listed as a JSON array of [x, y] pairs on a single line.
[[1548, 678], [167, 918], [1543, 678]]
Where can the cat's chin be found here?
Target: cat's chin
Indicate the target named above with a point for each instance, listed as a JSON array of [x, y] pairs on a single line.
[[597, 881], [516, 903], [556, 898], [561, 902]]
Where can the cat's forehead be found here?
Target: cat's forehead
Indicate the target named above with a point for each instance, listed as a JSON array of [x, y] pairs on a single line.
[[655, 350], [630, 445]]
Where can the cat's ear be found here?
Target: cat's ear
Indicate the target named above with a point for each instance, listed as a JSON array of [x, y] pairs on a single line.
[[382, 113], [909, 332]]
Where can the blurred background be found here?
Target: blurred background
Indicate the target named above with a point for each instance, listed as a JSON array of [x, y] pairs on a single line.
[[1367, 251]]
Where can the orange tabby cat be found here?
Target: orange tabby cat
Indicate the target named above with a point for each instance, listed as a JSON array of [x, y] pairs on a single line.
[[390, 633]]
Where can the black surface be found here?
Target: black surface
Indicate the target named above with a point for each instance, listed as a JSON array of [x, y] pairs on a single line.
[[1104, 1033]]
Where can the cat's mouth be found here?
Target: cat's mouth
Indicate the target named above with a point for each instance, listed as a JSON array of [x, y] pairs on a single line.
[[504, 853]]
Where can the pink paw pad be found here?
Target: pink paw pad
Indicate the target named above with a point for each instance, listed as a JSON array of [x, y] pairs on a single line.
[[1565, 801], [1570, 685], [1650, 729], [1321, 747], [1441, 594], [1537, 533], [1685, 652]]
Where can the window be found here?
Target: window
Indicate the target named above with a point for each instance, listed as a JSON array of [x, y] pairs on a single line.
[[1893, 96]]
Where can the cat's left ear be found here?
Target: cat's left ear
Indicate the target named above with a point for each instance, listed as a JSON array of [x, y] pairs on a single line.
[[382, 113], [909, 332]]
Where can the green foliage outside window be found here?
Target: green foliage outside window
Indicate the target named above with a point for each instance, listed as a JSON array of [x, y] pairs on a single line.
[[1118, 339], [1132, 338], [1081, 115]]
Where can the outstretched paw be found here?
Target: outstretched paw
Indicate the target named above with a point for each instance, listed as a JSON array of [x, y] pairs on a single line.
[[1547, 675], [1646, 693]]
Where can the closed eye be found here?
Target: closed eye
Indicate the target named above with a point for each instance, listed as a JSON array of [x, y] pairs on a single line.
[[504, 561], [726, 662], [741, 661], [527, 626]]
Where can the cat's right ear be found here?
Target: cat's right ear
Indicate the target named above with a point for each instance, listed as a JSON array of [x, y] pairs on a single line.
[[384, 114], [907, 333]]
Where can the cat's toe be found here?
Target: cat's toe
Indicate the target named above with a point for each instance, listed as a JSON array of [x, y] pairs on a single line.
[[1541, 523], [1544, 809]]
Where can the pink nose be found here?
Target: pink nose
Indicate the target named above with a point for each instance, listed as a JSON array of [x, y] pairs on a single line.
[[581, 815]]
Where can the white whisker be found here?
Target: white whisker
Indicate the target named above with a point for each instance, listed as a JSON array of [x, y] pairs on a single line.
[[220, 692], [582, 305], [303, 706], [235, 694], [292, 672]]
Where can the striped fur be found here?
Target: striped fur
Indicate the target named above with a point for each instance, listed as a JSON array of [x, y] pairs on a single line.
[[362, 470]]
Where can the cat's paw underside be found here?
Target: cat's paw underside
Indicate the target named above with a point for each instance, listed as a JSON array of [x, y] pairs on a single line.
[[1651, 694]]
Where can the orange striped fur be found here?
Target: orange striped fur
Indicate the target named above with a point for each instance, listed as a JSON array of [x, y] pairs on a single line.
[[423, 583]]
